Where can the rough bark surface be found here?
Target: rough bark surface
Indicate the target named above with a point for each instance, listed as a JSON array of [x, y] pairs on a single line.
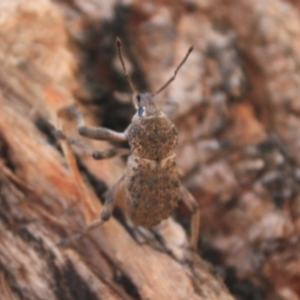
[[235, 104]]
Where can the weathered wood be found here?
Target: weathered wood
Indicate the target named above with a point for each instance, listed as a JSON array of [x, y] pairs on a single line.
[[235, 103], [40, 198]]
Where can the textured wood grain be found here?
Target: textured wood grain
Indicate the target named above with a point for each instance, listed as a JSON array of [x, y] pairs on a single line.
[[42, 200], [235, 104]]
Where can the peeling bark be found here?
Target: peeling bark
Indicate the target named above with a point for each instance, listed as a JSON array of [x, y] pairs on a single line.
[[40, 199], [235, 104]]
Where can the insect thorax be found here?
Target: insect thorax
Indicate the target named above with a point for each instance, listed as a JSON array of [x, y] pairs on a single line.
[[152, 137]]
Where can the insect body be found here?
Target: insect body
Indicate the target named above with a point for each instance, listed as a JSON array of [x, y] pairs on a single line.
[[151, 179], [150, 185]]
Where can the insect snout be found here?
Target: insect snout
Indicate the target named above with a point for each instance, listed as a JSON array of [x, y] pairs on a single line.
[[139, 104], [145, 105]]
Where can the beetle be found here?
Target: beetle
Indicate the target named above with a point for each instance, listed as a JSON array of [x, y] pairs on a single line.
[[150, 185]]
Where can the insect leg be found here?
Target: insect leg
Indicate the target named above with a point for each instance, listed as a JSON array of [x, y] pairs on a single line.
[[109, 153], [104, 154], [98, 133], [193, 206], [101, 133], [110, 199]]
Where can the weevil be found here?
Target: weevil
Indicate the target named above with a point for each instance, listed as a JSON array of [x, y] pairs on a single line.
[[150, 185]]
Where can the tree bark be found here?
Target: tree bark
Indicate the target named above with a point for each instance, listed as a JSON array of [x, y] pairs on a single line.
[[235, 104], [41, 201]]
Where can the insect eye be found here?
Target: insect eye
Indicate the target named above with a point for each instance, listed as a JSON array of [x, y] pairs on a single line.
[[141, 111]]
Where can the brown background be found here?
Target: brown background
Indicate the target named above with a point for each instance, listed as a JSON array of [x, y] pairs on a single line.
[[235, 103]]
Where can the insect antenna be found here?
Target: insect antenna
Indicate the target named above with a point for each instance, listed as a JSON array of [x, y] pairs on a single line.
[[119, 47], [175, 73]]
